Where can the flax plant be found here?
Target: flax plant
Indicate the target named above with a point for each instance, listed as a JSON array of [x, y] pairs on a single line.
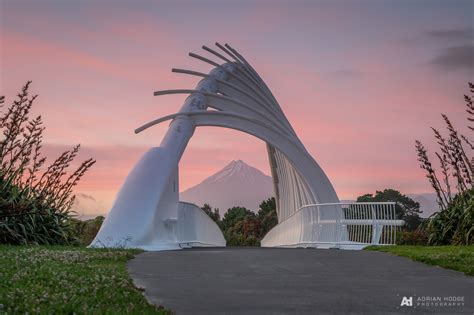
[[454, 222], [35, 201]]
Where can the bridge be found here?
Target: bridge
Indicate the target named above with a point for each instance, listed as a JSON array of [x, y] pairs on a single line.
[[147, 212]]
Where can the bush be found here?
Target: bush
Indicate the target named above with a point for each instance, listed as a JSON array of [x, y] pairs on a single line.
[[85, 231], [455, 224], [417, 237], [34, 205], [237, 239], [242, 227]]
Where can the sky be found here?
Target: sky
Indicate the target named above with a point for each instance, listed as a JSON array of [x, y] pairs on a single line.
[[358, 80]]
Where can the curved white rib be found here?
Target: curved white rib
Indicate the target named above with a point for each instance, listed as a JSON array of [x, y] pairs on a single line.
[[240, 105], [243, 102], [293, 160]]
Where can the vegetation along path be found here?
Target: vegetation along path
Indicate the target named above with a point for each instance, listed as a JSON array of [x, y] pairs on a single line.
[[68, 280], [260, 281]]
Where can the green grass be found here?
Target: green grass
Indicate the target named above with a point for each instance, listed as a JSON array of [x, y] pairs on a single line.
[[460, 258], [67, 280]]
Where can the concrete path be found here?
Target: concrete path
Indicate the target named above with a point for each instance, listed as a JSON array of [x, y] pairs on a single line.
[[295, 281]]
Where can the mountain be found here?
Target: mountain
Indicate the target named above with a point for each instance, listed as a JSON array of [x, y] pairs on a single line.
[[237, 184]]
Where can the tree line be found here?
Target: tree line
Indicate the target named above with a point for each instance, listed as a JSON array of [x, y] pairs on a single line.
[[243, 227]]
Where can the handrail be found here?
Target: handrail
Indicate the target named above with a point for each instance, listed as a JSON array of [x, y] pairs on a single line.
[[348, 203], [338, 204], [338, 224]]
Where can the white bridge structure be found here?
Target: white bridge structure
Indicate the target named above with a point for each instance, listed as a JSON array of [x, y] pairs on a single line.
[[147, 212]]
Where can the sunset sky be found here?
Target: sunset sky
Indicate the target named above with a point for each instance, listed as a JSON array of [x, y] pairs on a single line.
[[358, 80]]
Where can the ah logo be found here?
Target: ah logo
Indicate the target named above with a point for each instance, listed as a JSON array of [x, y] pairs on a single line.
[[407, 301]]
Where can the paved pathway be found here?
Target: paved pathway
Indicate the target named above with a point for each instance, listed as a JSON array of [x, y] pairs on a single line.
[[296, 281]]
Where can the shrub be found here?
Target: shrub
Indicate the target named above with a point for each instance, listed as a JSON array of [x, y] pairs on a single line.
[[85, 231], [416, 237], [242, 227], [453, 224], [236, 239], [34, 203]]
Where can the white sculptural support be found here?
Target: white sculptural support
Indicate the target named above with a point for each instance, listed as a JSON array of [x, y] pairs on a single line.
[[147, 213]]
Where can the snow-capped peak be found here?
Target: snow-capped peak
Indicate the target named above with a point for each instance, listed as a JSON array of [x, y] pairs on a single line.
[[237, 184], [236, 168]]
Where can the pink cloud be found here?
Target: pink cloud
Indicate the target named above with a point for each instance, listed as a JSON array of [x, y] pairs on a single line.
[[23, 47]]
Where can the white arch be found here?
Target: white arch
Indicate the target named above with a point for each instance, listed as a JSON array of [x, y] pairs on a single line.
[[300, 160], [147, 211]]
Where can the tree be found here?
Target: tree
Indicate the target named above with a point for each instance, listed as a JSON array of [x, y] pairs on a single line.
[[251, 227], [214, 215], [267, 216], [266, 207], [405, 209], [235, 214], [242, 227], [243, 230]]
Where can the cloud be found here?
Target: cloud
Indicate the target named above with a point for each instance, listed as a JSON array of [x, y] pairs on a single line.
[[451, 34], [455, 58], [440, 36]]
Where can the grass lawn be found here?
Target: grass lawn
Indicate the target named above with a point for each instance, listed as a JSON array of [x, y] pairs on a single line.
[[60, 280], [459, 258]]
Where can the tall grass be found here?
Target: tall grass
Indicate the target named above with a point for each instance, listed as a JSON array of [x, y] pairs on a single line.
[[35, 200], [454, 223]]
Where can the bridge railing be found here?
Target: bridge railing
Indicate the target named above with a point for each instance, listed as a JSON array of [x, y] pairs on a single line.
[[352, 225]]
